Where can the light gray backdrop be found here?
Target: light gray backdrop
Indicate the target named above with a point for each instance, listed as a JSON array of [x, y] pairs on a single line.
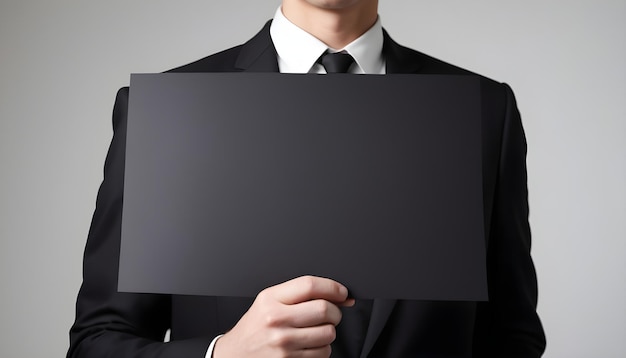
[[62, 61]]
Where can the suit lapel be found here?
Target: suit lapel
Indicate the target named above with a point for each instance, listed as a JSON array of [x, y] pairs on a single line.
[[258, 54], [399, 59], [381, 310]]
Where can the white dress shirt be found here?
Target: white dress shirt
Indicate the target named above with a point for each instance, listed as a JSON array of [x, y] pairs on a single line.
[[298, 52]]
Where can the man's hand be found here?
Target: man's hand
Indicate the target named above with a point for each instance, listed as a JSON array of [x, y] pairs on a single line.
[[296, 318]]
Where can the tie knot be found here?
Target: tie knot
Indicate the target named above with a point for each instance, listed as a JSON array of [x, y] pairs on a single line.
[[338, 62]]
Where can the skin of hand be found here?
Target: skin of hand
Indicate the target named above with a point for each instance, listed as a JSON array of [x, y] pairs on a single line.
[[296, 318]]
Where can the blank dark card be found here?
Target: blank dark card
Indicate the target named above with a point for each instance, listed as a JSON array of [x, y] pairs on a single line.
[[235, 182]]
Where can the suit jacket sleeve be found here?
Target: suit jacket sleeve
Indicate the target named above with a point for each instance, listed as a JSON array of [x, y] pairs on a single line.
[[109, 323], [508, 325]]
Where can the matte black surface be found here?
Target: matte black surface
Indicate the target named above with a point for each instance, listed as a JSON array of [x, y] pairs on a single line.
[[246, 180]]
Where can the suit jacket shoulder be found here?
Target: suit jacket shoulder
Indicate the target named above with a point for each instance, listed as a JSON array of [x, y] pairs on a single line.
[[256, 55], [223, 61]]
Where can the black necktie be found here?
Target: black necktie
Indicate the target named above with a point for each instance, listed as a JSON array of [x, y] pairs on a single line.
[[338, 62]]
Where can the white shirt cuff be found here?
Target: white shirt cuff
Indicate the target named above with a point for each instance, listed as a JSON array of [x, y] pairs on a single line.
[[209, 351]]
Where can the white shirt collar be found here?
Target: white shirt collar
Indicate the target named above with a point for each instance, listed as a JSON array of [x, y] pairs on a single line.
[[298, 50]]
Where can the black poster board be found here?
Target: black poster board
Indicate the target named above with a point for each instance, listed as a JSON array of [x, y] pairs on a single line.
[[235, 182]]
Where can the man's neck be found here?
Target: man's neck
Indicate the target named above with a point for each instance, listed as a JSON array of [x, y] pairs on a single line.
[[336, 26]]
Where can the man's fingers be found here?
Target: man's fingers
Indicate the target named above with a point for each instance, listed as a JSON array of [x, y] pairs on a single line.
[[309, 338], [296, 318], [307, 288], [314, 313]]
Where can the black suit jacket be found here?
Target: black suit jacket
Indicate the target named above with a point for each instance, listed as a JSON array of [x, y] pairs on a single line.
[[112, 324]]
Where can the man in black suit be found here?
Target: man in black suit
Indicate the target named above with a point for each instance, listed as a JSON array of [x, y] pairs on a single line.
[[307, 316]]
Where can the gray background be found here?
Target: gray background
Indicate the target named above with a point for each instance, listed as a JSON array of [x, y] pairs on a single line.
[[62, 61]]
